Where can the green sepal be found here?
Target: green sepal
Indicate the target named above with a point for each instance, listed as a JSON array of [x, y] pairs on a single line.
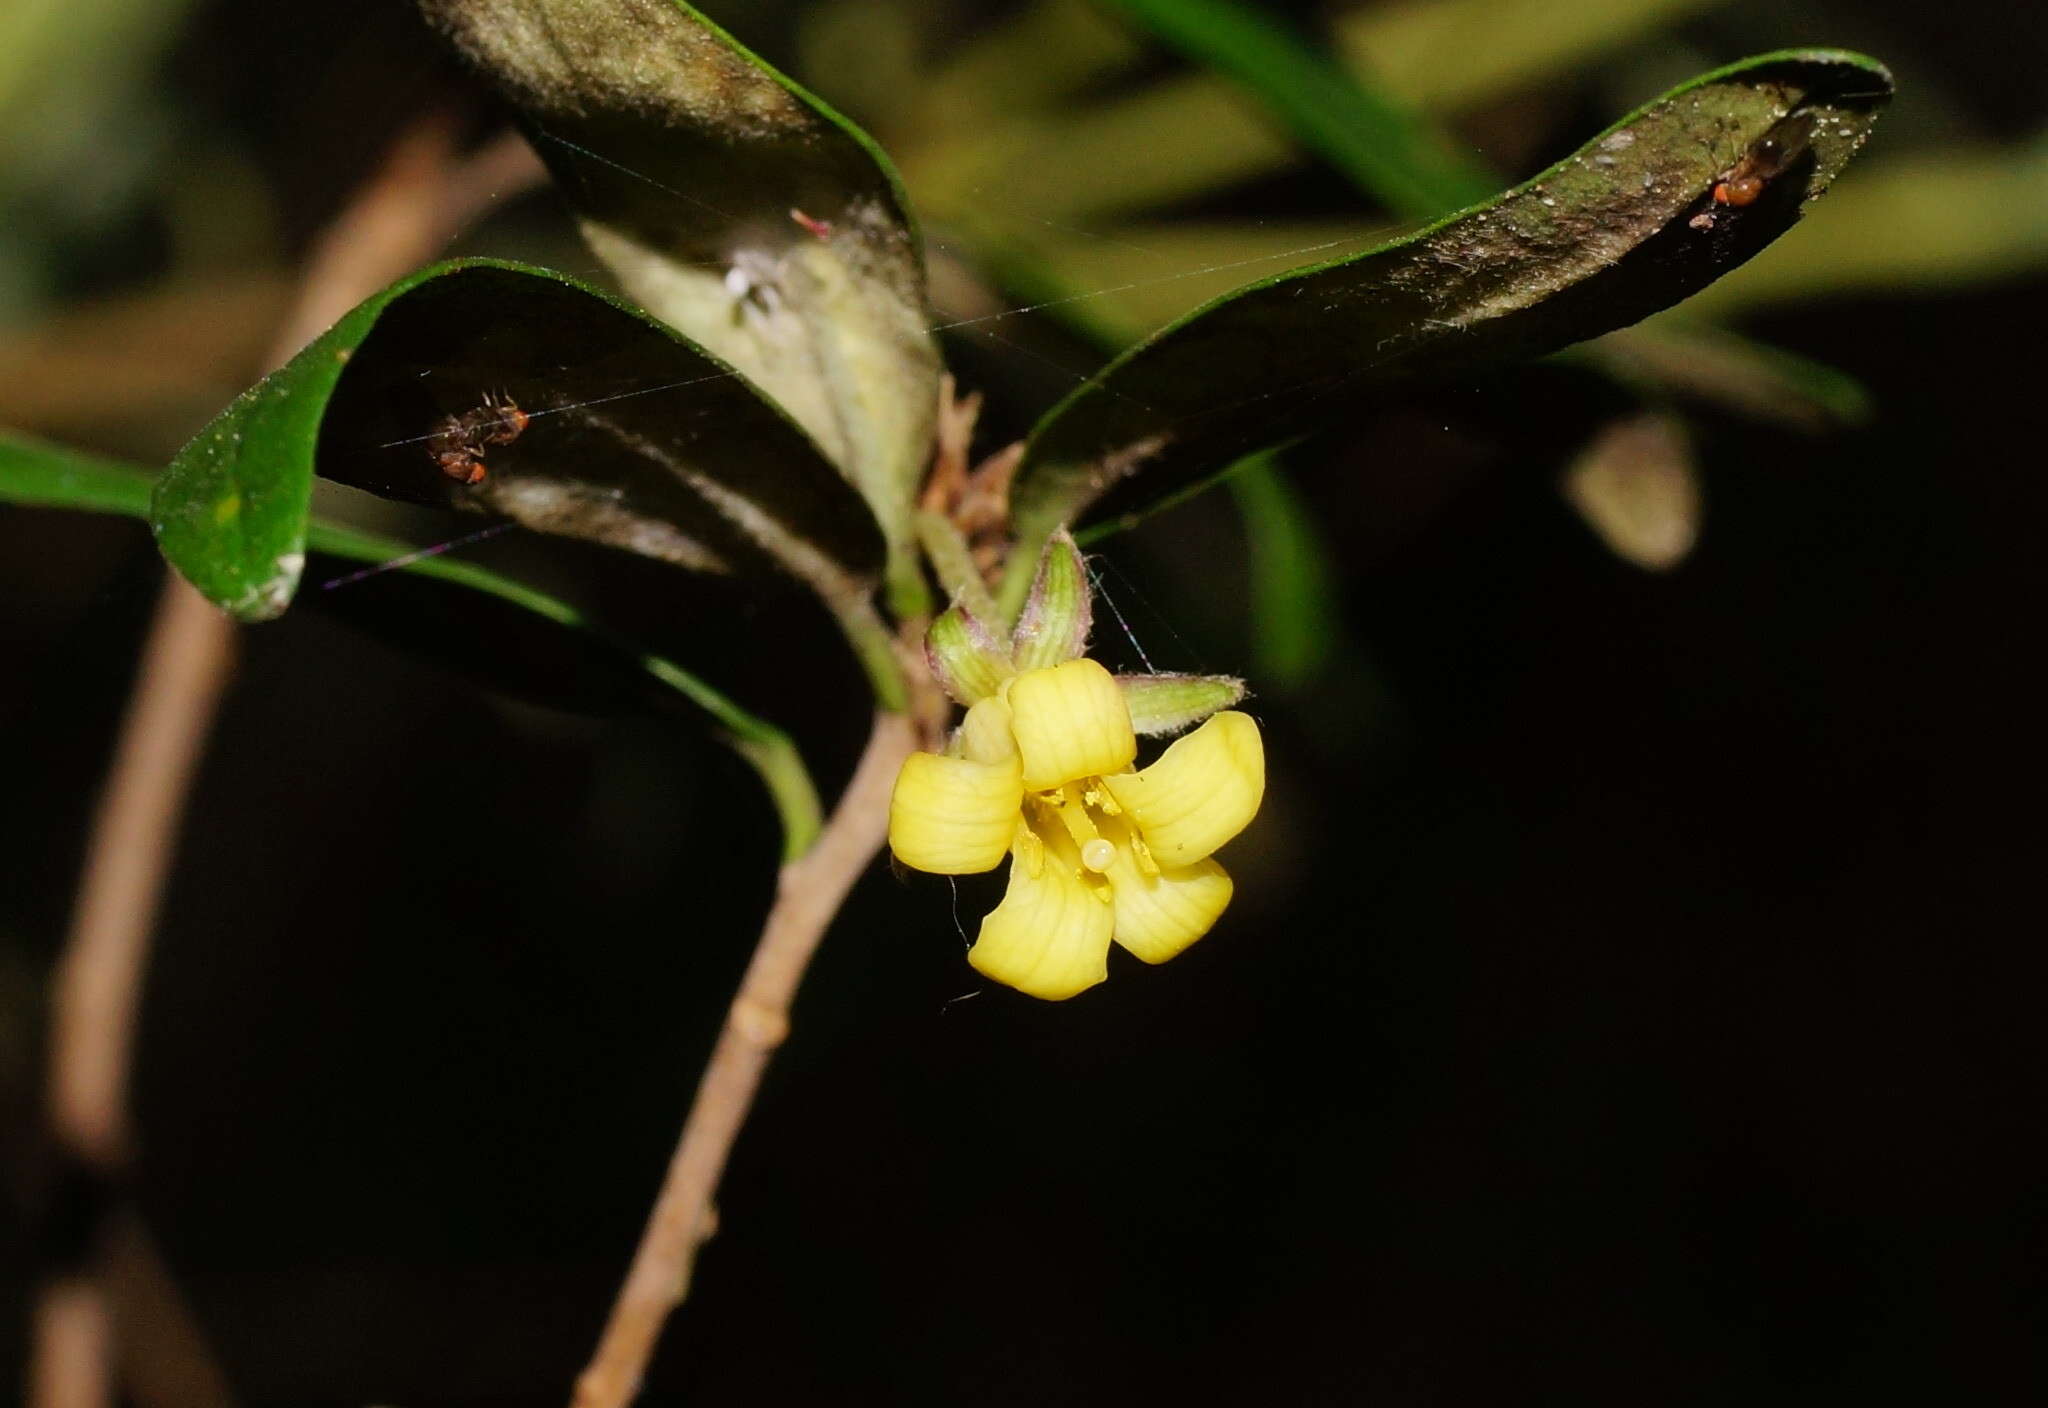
[[1060, 611], [965, 656], [1166, 704]]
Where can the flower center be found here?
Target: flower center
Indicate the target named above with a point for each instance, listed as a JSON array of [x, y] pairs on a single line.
[[1092, 820]]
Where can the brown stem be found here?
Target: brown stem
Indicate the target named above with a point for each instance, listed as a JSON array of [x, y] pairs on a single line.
[[98, 979], [73, 1362], [421, 195], [808, 894]]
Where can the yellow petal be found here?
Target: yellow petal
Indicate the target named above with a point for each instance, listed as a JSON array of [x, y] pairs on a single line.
[[1050, 935], [1157, 916], [985, 735], [1200, 793], [954, 816], [1071, 722]]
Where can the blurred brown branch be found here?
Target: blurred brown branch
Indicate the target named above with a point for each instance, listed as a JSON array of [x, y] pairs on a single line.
[[424, 192]]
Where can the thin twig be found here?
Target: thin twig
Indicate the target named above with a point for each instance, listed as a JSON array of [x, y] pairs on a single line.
[[73, 1362], [808, 894], [185, 662], [421, 195]]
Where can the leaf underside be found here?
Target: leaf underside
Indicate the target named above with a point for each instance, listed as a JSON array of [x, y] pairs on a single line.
[[632, 437], [735, 206], [1622, 228]]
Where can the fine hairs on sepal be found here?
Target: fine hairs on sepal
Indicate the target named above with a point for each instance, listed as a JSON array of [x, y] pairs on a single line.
[[1060, 611], [965, 656], [1161, 705]]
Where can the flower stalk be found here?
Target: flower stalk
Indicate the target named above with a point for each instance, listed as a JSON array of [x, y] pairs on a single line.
[[808, 894], [953, 563]]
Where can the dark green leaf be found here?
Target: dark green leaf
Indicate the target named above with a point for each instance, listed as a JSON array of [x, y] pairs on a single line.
[[631, 437], [1622, 228], [739, 208]]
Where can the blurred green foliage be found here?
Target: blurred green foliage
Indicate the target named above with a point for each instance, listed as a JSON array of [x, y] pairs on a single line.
[[1090, 194]]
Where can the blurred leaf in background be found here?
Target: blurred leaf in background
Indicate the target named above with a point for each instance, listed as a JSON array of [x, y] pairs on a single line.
[[79, 135]]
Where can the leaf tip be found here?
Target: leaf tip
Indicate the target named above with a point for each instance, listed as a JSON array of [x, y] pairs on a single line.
[[266, 600]]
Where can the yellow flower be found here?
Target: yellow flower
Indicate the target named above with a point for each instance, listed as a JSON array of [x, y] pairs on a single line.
[[1039, 771]]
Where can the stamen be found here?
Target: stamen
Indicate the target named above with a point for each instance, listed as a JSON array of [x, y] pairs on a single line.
[[1099, 798], [1144, 853], [1030, 850], [1073, 814]]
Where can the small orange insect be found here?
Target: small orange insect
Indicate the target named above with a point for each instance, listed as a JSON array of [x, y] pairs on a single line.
[[457, 443], [1768, 158]]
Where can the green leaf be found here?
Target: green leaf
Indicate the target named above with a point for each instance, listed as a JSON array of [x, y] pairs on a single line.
[[1380, 144], [631, 436], [740, 209], [39, 475], [1624, 227]]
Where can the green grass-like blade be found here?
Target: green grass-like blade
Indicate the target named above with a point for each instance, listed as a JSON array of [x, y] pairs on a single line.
[[38, 475], [1379, 143], [1293, 587]]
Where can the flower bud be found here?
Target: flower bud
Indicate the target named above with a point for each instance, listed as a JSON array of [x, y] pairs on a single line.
[[1054, 626], [966, 659]]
